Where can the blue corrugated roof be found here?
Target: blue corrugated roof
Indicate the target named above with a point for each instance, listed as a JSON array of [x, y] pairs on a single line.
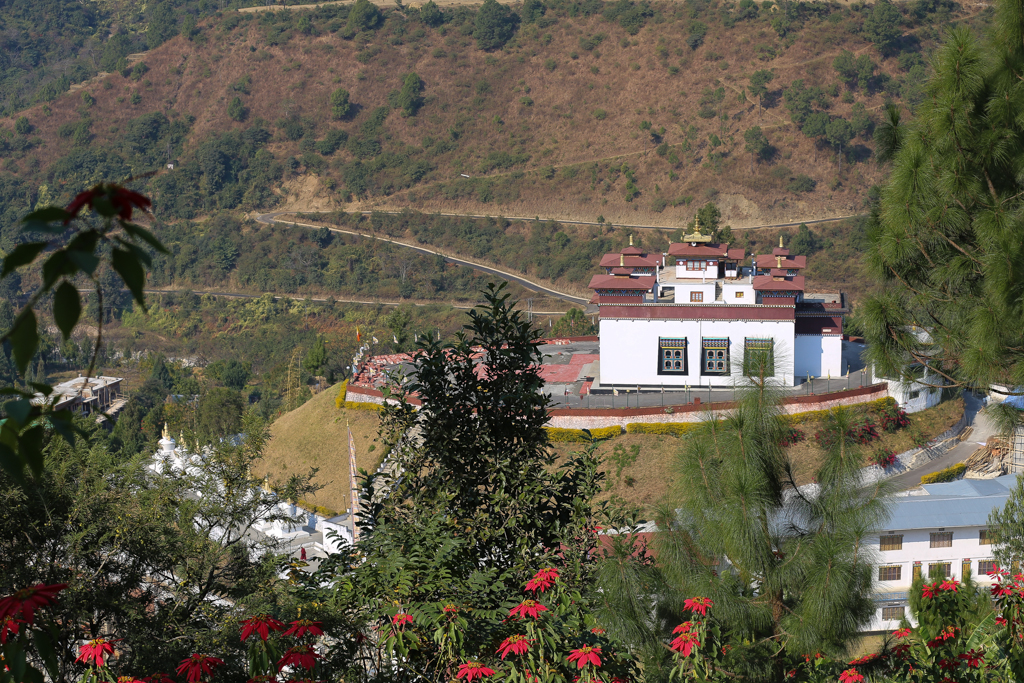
[[959, 503], [1015, 401]]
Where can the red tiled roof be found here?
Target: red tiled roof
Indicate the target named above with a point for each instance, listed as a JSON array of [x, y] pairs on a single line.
[[632, 251], [768, 283], [619, 298], [613, 260], [736, 254], [619, 270], [826, 325], [777, 272], [766, 261], [620, 282], [779, 251], [696, 312], [684, 249]]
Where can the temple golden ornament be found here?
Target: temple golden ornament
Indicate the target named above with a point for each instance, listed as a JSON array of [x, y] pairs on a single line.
[[696, 236]]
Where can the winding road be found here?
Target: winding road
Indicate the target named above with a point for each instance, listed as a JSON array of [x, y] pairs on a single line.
[[274, 217]]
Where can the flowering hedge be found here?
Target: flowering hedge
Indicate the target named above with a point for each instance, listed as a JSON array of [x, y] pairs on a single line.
[[949, 474], [669, 428], [560, 435]]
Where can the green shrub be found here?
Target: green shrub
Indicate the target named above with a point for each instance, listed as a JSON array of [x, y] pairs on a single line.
[[948, 474], [802, 183], [361, 405], [600, 114], [669, 428], [560, 435]]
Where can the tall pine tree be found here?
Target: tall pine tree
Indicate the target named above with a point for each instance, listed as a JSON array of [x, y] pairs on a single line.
[[948, 236]]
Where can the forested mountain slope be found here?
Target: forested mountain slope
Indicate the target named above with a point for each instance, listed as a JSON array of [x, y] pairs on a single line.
[[572, 109]]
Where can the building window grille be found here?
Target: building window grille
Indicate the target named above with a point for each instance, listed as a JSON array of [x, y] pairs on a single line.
[[696, 265], [893, 572], [715, 356], [984, 537], [672, 356], [893, 613], [696, 297], [940, 570], [941, 539], [758, 356], [739, 294], [890, 542], [986, 567]]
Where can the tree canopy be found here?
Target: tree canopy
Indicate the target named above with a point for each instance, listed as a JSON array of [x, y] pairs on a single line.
[[947, 241]]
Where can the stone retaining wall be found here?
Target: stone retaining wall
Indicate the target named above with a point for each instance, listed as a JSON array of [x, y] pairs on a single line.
[[916, 457]]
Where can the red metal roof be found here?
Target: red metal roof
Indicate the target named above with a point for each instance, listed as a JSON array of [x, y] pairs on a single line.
[[736, 254], [637, 298], [632, 251], [826, 325], [768, 283], [779, 251], [684, 249], [613, 260], [766, 261], [620, 282], [697, 312], [619, 270]]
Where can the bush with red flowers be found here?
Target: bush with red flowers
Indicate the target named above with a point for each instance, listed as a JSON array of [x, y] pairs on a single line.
[[791, 436], [893, 418], [862, 434], [883, 457]]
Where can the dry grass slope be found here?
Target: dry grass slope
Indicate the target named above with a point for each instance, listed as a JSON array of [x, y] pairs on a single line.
[[540, 98], [316, 435]]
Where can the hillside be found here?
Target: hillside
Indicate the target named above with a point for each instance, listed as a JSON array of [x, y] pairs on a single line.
[[633, 112], [316, 435]]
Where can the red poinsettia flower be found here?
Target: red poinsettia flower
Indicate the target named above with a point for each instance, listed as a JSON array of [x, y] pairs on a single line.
[[303, 626], [586, 655], [9, 626], [598, 631], [94, 652], [471, 670], [261, 624], [698, 605], [450, 609], [158, 678], [973, 658], [542, 580], [300, 655], [528, 608], [401, 619], [108, 200], [685, 643], [195, 666], [515, 645], [871, 656], [901, 633], [949, 585], [850, 676], [928, 591], [999, 590], [944, 635], [24, 603], [1001, 621], [684, 627]]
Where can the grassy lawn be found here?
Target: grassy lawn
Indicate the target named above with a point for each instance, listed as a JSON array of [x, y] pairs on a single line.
[[649, 478], [316, 435]]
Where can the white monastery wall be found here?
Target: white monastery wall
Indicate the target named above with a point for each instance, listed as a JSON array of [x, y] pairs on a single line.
[[818, 355], [738, 293], [629, 350], [683, 292]]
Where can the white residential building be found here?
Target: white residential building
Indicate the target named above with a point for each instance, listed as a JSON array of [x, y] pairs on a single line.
[[686, 317], [944, 529]]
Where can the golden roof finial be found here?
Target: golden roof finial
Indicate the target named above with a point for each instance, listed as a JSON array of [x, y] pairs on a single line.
[[778, 261], [622, 260], [780, 241], [166, 432], [631, 240]]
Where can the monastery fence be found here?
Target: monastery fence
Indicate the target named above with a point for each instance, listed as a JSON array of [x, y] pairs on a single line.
[[593, 418]]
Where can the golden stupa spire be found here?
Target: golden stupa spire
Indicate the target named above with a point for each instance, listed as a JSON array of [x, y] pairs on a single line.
[[780, 241]]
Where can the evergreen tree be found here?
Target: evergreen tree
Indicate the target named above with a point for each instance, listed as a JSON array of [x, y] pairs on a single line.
[[948, 237], [757, 144], [759, 85], [495, 25], [787, 568]]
